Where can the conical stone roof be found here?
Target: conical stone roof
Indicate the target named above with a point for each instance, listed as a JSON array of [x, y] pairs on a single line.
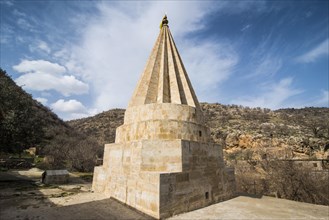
[[164, 79], [163, 161]]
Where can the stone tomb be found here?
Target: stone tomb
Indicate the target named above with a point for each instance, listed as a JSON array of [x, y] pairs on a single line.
[[55, 177], [163, 161]]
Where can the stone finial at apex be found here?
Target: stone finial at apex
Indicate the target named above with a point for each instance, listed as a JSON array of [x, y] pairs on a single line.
[[164, 21], [164, 79]]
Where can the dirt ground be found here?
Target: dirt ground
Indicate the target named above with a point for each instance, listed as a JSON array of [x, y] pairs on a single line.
[[23, 196]]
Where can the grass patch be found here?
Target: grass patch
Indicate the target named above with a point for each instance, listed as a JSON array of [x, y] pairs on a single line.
[[88, 177], [38, 160], [63, 194]]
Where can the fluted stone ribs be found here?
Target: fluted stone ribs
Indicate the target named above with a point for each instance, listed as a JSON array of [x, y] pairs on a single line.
[[164, 79], [163, 161]]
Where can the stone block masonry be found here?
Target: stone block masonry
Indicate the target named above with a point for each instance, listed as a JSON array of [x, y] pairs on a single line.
[[163, 161], [55, 177]]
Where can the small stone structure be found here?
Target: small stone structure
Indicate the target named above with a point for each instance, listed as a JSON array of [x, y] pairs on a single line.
[[163, 161], [314, 165], [55, 177]]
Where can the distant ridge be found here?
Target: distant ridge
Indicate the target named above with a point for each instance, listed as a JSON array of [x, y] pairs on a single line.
[[101, 126], [303, 133]]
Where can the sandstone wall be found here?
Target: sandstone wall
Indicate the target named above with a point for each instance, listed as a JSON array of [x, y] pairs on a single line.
[[164, 162], [164, 177]]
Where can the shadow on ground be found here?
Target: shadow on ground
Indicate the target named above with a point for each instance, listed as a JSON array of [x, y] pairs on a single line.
[[24, 197], [258, 196], [102, 209]]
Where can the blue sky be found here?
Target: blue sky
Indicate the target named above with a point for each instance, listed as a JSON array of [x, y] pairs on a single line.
[[80, 58]]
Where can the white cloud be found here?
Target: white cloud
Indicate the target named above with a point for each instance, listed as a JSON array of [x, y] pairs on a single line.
[[71, 109], [322, 99], [44, 46], [8, 3], [62, 53], [308, 14], [325, 98], [246, 27], [266, 66], [40, 46], [7, 33], [115, 46], [240, 6], [45, 94], [41, 75], [315, 53], [272, 95], [39, 66], [208, 71], [18, 13], [71, 106], [24, 24], [4, 39], [65, 85], [42, 100]]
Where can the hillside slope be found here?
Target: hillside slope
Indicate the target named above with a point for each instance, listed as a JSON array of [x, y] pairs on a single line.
[[243, 131], [101, 126], [284, 133], [25, 122]]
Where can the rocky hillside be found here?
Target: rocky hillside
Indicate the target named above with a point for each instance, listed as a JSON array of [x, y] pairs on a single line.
[[256, 133], [25, 123], [245, 133], [101, 126]]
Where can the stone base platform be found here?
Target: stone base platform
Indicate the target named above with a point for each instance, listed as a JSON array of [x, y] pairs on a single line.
[[163, 178]]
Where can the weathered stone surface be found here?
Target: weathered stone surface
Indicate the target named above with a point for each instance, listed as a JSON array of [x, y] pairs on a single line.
[[55, 177], [163, 161]]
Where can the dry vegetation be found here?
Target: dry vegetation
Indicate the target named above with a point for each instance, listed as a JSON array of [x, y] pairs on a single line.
[[101, 126], [284, 133], [283, 179], [25, 123]]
